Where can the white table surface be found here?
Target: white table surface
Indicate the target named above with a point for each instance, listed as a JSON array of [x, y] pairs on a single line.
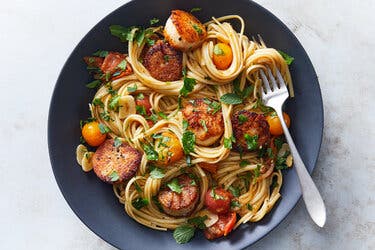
[[36, 38]]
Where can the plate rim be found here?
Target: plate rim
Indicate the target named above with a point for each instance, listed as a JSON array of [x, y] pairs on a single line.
[[54, 93]]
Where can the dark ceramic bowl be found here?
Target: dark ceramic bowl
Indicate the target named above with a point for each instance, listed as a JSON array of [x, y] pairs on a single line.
[[94, 202]]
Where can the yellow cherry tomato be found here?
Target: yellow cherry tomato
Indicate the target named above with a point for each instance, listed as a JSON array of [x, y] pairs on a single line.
[[169, 148], [92, 135], [222, 56], [275, 124]]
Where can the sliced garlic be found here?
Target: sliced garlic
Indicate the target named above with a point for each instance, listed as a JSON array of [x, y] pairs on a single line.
[[126, 106], [86, 161], [289, 161], [284, 148], [211, 217], [80, 152]]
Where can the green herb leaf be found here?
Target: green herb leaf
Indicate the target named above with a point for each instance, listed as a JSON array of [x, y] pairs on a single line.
[[132, 89], [249, 207], [203, 123], [216, 196], [157, 173], [122, 65], [162, 115], [154, 21], [103, 128], [140, 96], [175, 186], [121, 32], [218, 51], [251, 141], [141, 110], [257, 171], [198, 221], [288, 59], [140, 36], [185, 124], [215, 106], [231, 98], [195, 9], [188, 86], [197, 29], [149, 41], [234, 203], [117, 142], [105, 116], [113, 103], [234, 190], [183, 234], [137, 187], [101, 53], [166, 58], [150, 152], [280, 163], [93, 84], [242, 118], [139, 203], [244, 163], [114, 176], [157, 203], [98, 102], [278, 142], [188, 142]]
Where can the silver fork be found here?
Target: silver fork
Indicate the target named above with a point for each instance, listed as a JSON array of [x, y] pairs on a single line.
[[274, 94]]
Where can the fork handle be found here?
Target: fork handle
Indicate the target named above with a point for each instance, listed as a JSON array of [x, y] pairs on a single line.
[[311, 196]]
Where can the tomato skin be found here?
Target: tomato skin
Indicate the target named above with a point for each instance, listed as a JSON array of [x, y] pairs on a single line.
[[171, 152], [217, 200], [92, 135], [275, 124], [145, 102], [224, 60], [210, 167], [222, 227]]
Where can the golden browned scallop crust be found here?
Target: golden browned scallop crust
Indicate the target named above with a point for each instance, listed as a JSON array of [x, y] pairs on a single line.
[[163, 62], [207, 126], [182, 204], [252, 124], [190, 30], [110, 161]]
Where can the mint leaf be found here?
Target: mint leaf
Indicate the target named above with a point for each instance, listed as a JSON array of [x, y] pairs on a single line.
[[183, 234], [93, 84], [288, 59], [175, 186], [231, 98]]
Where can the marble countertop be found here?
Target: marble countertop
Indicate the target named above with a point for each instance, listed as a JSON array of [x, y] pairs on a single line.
[[36, 38]]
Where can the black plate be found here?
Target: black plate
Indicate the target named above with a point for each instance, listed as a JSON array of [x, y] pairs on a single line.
[[94, 202]]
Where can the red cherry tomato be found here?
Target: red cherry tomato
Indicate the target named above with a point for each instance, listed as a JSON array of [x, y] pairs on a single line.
[[143, 105], [218, 200], [222, 227]]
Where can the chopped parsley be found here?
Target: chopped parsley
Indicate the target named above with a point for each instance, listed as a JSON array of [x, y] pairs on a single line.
[[188, 85], [141, 110], [195, 9], [244, 163], [234, 203], [188, 142], [278, 142], [114, 102], [218, 51], [231, 98], [198, 221], [93, 84], [117, 142], [228, 142], [203, 123], [280, 163], [103, 128], [154, 21], [175, 186], [234, 190], [197, 29], [114, 176], [122, 65], [101, 53], [288, 59], [157, 173], [139, 203], [132, 89], [251, 141], [98, 102], [166, 58], [242, 118], [150, 152], [185, 124], [249, 207], [216, 196]]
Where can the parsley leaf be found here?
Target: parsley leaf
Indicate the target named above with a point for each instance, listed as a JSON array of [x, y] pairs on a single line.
[[101, 53], [188, 86], [122, 65], [278, 142], [157, 173], [132, 89], [234, 190], [216, 196], [188, 141], [280, 163], [175, 186], [162, 115], [195, 9], [242, 118], [121, 32], [218, 51], [234, 204], [117, 142], [203, 123], [93, 84], [244, 163], [103, 128], [185, 124], [166, 58], [251, 141], [140, 202], [113, 103], [198, 221], [114, 176], [249, 207], [197, 29], [231, 98], [141, 110], [215, 106], [154, 21], [288, 59], [183, 234], [228, 142], [98, 102], [150, 152]]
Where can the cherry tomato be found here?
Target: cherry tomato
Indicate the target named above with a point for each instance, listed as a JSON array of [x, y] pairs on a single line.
[[222, 56], [222, 227], [111, 61], [92, 135], [275, 124], [143, 105], [210, 167], [169, 148], [217, 200]]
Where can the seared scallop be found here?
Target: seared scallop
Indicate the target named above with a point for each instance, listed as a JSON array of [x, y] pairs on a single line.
[[251, 131], [163, 62], [180, 203], [204, 120], [184, 31], [115, 164]]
